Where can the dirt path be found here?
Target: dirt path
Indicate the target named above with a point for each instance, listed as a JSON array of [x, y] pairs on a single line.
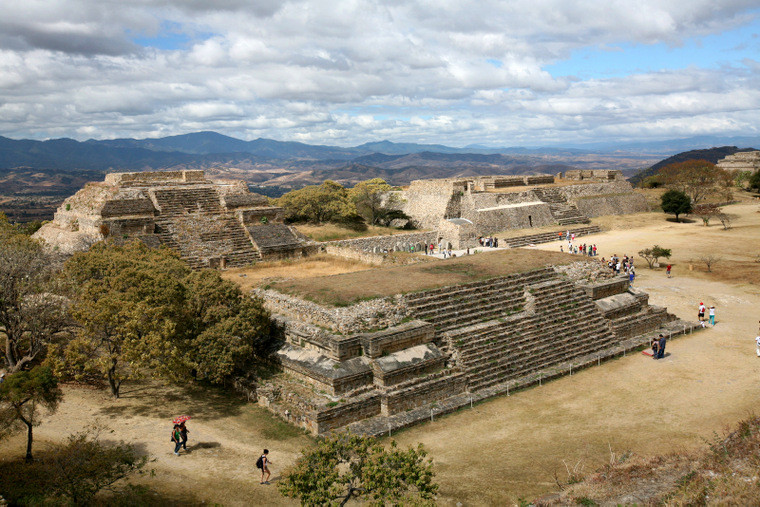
[[505, 448]]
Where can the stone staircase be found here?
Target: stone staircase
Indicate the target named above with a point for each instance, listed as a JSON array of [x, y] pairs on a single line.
[[513, 347], [548, 237], [450, 308], [193, 222], [564, 212]]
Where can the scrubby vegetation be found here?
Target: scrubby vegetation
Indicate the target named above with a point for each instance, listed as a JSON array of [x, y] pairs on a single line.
[[726, 472]]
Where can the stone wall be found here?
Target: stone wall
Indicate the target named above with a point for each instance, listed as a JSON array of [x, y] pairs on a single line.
[[381, 312], [445, 386], [598, 199], [427, 201], [384, 244], [346, 413]]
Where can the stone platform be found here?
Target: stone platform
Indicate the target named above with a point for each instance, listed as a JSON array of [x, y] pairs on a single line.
[[445, 348]]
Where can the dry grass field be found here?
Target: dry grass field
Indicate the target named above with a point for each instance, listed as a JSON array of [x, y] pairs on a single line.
[[509, 447], [346, 288], [332, 232]]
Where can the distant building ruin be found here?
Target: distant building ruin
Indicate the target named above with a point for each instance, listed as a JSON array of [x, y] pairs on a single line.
[[462, 209], [741, 161], [210, 224]]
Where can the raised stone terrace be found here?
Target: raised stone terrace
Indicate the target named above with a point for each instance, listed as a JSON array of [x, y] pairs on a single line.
[[409, 356], [210, 224]]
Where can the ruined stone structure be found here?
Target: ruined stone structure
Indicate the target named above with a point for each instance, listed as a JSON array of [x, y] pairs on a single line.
[[741, 161], [210, 224], [461, 209], [388, 363]]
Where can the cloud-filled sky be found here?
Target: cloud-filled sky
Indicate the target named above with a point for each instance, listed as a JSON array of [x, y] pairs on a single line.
[[493, 72]]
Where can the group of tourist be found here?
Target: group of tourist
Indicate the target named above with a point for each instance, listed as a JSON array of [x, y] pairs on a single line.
[[658, 347], [701, 310], [584, 249], [179, 438], [488, 241]]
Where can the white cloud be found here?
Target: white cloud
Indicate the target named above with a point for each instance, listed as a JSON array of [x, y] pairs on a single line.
[[360, 70]]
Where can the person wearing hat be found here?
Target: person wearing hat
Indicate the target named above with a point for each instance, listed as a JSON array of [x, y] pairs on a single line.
[[701, 312]]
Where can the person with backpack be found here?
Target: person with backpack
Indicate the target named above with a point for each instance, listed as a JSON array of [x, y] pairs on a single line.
[[263, 464], [177, 439]]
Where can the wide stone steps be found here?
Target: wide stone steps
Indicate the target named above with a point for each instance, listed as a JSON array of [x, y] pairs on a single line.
[[497, 338], [548, 237], [547, 356], [183, 201], [525, 354], [506, 300], [421, 301]]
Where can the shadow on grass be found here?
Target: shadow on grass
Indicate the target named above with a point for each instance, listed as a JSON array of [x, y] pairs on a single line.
[[23, 483], [680, 220], [155, 399]]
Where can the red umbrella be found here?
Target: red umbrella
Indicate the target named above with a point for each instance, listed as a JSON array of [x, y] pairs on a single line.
[[180, 419]]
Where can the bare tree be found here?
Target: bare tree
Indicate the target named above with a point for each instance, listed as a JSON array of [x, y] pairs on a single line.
[[710, 260], [725, 220], [30, 313]]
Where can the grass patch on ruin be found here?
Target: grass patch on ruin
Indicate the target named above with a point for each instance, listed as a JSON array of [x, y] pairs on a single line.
[[333, 232], [263, 273], [347, 288]]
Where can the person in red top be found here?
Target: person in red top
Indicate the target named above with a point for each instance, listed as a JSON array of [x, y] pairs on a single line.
[[667, 270]]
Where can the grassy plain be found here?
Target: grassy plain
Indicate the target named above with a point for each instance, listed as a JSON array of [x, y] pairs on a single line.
[[509, 447], [332, 232], [346, 288]]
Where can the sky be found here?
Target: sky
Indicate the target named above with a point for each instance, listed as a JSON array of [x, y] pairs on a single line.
[[455, 72]]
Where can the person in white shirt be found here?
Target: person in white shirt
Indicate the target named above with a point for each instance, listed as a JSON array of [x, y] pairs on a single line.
[[757, 342]]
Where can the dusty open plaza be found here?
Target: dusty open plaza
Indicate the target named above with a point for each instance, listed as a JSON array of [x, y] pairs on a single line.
[[509, 447]]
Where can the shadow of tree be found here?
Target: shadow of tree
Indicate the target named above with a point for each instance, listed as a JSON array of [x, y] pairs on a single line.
[[166, 401]]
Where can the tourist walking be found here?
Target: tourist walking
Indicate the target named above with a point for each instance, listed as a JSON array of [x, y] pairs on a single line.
[[711, 313], [667, 270], [701, 312], [757, 345], [655, 346], [183, 431], [177, 439], [263, 463]]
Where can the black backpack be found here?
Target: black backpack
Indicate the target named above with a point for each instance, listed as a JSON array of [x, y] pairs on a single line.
[[260, 462]]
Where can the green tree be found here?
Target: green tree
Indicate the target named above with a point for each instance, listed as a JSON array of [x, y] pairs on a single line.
[[227, 330], [652, 255], [675, 203], [754, 181], [21, 395], [143, 311], [127, 302], [328, 202], [85, 466], [346, 466], [375, 201]]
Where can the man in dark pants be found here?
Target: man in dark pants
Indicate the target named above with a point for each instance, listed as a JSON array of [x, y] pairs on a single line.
[[661, 347]]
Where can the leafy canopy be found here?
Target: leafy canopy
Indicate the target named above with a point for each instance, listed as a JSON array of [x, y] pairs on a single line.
[[652, 255], [675, 203], [346, 466], [142, 310], [695, 178], [21, 395], [32, 311]]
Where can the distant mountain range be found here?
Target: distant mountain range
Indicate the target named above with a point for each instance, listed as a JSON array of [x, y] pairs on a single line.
[[63, 164]]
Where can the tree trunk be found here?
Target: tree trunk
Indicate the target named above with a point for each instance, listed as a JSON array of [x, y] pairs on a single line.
[[112, 380], [29, 438]]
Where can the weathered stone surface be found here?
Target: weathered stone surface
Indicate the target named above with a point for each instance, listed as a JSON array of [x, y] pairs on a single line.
[[210, 224]]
